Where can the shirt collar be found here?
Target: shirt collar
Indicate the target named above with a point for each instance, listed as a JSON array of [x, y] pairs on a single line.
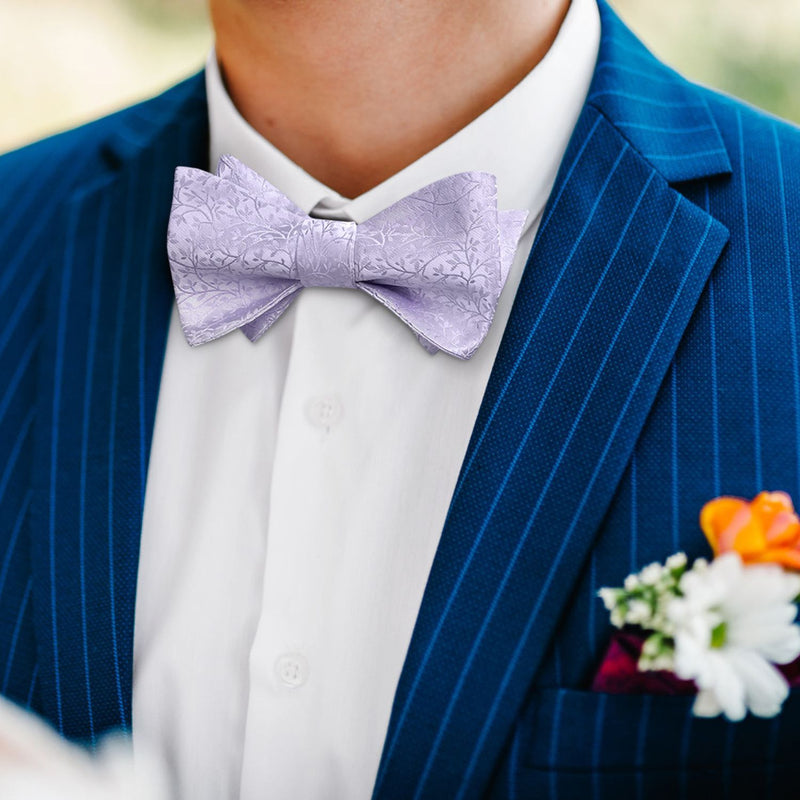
[[521, 139]]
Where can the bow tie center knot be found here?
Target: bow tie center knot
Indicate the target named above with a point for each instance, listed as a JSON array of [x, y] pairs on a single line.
[[325, 253]]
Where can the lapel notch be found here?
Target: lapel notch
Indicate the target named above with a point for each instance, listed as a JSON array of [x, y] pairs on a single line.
[[664, 117]]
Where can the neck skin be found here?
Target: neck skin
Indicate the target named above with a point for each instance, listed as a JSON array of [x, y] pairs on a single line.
[[354, 90]]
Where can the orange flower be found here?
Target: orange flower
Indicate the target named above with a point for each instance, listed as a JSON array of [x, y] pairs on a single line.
[[765, 529]]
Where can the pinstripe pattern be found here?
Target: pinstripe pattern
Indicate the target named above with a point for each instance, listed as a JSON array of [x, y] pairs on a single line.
[[32, 688], [103, 501], [545, 305], [751, 315], [15, 636], [67, 599], [63, 295], [634, 539], [129, 211], [674, 481], [18, 348], [787, 258], [729, 402], [631, 386], [102, 226], [552, 573], [712, 335], [473, 656], [456, 693], [624, 730], [12, 542], [577, 421]]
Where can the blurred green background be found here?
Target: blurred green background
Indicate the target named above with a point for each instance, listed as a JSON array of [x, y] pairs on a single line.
[[63, 62]]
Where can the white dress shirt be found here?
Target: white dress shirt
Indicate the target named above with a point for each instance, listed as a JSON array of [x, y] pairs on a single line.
[[298, 486]]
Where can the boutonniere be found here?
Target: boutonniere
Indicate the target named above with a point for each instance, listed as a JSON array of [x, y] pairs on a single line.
[[726, 627]]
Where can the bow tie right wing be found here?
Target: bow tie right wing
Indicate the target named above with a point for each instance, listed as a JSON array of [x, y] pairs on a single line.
[[439, 259], [229, 246]]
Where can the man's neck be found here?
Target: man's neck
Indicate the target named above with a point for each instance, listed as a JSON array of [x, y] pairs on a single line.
[[355, 90]]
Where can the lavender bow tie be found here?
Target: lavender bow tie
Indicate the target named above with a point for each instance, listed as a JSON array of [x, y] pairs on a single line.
[[240, 251]]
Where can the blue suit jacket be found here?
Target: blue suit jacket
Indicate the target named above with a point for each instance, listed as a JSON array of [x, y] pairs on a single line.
[[649, 364]]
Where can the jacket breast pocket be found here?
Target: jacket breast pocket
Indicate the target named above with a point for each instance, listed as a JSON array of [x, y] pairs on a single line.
[[576, 744]]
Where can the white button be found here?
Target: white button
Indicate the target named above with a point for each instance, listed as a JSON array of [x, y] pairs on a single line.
[[324, 411], [292, 669]]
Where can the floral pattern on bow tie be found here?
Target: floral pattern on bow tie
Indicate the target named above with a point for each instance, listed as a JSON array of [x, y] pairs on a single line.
[[241, 251]]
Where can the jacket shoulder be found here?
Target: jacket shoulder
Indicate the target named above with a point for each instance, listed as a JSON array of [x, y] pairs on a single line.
[[747, 126], [39, 181], [764, 152], [44, 172]]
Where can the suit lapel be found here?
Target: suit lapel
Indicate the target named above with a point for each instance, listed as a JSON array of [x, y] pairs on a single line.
[[108, 310], [618, 265]]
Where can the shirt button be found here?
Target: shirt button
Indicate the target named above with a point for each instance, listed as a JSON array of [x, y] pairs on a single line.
[[292, 669], [324, 411]]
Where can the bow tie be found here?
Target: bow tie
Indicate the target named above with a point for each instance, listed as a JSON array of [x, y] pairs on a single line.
[[240, 251]]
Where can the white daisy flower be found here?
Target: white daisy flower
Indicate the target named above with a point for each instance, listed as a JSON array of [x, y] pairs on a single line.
[[732, 625], [37, 764]]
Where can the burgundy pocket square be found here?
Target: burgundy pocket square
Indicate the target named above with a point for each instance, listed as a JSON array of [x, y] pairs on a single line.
[[619, 672]]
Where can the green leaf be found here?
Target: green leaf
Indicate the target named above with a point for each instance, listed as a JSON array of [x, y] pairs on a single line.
[[719, 635]]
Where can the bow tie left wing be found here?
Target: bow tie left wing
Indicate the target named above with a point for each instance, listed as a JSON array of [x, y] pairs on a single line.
[[226, 232]]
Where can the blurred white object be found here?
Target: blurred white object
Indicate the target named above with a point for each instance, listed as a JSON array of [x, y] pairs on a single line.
[[37, 764]]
